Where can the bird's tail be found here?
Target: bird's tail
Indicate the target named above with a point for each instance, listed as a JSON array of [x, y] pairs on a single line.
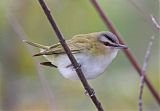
[[36, 45]]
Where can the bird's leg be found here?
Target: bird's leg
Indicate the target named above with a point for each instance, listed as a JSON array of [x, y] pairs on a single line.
[[70, 65], [79, 66], [91, 95]]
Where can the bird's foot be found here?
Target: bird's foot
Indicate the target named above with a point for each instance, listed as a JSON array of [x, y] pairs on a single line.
[[78, 67], [91, 94], [75, 68]]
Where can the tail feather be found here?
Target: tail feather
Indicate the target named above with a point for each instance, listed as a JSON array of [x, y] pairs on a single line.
[[38, 54], [43, 53], [36, 44]]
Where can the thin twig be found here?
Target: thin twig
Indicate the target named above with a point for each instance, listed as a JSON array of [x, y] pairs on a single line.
[[149, 18], [141, 11], [127, 52], [23, 36], [157, 25], [145, 63], [80, 74]]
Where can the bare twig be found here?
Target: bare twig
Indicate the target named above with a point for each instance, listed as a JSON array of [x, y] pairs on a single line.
[[23, 36], [145, 63], [157, 25], [141, 11], [149, 18], [80, 74], [126, 51]]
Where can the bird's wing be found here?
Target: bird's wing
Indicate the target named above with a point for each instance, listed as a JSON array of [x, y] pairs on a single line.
[[37, 45], [76, 45]]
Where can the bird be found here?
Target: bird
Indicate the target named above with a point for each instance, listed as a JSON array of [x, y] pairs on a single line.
[[92, 51]]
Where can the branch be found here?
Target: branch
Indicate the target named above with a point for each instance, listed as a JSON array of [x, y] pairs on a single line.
[[141, 11], [126, 51], [145, 63], [80, 74], [43, 81], [157, 25], [151, 19]]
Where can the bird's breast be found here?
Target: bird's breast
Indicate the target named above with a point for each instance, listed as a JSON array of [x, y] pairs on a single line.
[[92, 66]]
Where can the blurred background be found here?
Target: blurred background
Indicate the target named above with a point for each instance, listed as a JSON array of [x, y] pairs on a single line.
[[27, 86]]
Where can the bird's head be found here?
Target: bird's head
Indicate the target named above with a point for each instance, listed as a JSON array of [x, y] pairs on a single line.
[[110, 40]]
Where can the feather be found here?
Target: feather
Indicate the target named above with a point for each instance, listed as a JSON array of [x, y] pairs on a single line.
[[79, 43], [48, 64], [36, 45]]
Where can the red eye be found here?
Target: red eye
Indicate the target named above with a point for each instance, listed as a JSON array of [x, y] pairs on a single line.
[[107, 44]]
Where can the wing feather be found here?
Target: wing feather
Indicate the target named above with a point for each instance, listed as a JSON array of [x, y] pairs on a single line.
[[76, 45]]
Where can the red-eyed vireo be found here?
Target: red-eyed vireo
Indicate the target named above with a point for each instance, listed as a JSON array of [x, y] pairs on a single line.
[[93, 51]]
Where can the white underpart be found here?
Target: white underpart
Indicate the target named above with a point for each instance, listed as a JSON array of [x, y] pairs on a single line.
[[92, 66]]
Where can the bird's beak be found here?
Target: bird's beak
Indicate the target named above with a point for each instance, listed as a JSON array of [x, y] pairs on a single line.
[[120, 46]]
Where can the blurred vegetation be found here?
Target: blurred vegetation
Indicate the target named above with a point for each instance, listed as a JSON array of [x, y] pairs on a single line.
[[117, 89]]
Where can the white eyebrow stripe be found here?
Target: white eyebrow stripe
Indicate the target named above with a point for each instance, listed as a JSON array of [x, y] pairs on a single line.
[[106, 39], [112, 37]]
